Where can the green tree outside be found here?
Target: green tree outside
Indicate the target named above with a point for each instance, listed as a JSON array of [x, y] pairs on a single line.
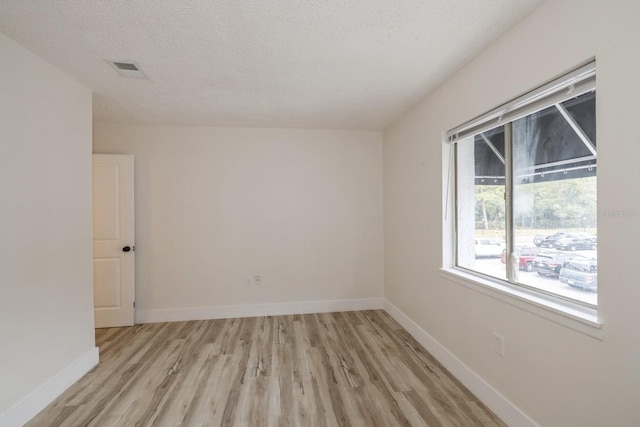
[[562, 204]]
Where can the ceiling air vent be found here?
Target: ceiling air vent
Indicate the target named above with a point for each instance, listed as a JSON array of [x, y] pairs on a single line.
[[128, 69]]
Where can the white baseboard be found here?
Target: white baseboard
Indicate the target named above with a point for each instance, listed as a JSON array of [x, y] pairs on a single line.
[[36, 401], [255, 310], [499, 404]]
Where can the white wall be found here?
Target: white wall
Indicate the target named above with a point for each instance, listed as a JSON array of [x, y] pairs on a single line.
[[46, 293], [555, 375], [301, 208]]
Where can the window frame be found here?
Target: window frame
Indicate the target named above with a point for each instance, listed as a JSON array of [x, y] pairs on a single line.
[[576, 314]]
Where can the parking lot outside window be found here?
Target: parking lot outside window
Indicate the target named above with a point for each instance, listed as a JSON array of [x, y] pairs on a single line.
[[525, 191]]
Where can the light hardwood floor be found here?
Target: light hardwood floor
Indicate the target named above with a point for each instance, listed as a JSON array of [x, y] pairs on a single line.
[[335, 369]]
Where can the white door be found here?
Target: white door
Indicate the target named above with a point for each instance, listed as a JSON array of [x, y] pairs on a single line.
[[113, 245]]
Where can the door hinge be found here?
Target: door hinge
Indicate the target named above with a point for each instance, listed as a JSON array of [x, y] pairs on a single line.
[[134, 304]]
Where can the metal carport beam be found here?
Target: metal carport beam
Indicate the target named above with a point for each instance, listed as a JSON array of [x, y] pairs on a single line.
[[559, 163], [492, 147], [583, 136]]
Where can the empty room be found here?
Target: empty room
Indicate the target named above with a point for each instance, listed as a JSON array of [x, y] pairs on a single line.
[[319, 213]]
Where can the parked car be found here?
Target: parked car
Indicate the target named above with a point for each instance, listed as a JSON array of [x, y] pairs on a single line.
[[486, 248], [550, 264], [574, 241], [525, 255], [580, 274], [543, 241]]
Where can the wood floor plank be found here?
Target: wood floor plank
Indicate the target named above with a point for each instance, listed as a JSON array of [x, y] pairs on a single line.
[[180, 383], [330, 369], [202, 408], [442, 387]]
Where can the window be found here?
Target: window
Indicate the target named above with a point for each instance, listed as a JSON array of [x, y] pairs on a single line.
[[525, 191]]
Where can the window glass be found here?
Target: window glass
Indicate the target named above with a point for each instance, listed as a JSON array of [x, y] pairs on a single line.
[[481, 208]]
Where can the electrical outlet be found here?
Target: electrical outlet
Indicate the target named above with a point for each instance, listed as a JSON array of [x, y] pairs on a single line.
[[499, 344], [257, 280], [248, 282]]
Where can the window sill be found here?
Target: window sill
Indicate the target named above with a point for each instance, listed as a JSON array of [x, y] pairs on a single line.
[[581, 319]]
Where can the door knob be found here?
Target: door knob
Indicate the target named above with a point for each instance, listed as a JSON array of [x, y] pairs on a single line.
[[126, 249]]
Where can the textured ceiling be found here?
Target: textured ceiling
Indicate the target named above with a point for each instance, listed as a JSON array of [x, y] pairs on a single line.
[[341, 64]]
